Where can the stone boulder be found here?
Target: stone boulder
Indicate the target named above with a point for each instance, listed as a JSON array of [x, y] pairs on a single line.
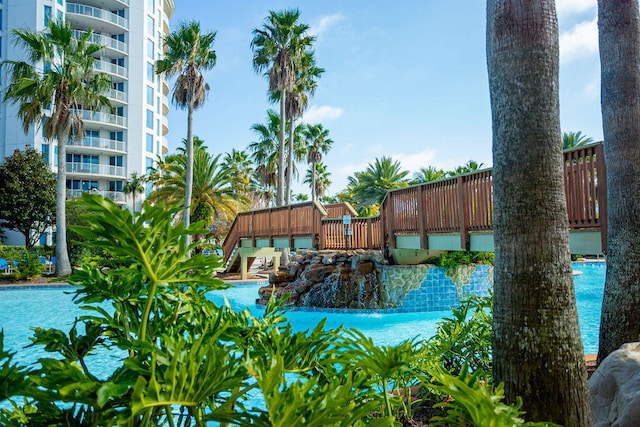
[[615, 388]]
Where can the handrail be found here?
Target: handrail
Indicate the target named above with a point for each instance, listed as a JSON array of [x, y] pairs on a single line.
[[457, 205]]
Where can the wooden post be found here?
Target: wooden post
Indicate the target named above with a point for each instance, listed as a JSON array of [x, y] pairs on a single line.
[[290, 235], [462, 217], [424, 242], [243, 267], [602, 197]]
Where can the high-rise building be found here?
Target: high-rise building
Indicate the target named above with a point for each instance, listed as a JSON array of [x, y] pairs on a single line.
[[117, 143]]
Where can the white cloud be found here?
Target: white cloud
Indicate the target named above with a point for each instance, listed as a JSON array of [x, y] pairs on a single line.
[[414, 161], [581, 41], [321, 25], [322, 113], [571, 7]]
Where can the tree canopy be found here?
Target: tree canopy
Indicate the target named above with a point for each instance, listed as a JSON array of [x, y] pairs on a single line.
[[27, 195]]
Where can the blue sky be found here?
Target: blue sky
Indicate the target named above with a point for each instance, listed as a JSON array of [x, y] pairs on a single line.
[[405, 79]]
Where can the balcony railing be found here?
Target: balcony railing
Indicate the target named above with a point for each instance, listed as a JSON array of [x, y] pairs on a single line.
[[100, 116], [117, 95], [108, 67], [102, 143], [95, 169], [116, 196], [97, 13], [102, 40]]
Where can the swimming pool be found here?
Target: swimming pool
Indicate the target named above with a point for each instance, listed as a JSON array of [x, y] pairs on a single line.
[[23, 308]]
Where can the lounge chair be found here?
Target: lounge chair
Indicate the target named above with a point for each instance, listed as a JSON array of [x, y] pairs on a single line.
[[5, 266]]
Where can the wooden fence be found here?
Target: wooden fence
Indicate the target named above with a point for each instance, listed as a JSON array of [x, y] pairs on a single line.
[[461, 205]]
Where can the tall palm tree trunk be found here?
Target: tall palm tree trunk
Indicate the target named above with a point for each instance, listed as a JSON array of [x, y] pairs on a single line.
[[280, 189], [289, 162], [63, 265], [313, 181], [188, 190], [619, 33], [537, 350]]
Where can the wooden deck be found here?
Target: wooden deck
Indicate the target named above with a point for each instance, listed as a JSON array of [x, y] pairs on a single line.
[[450, 214]]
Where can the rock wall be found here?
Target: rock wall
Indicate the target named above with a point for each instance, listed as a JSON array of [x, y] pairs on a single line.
[[360, 279]]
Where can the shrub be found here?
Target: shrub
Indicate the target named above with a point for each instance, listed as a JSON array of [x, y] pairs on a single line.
[[29, 268]]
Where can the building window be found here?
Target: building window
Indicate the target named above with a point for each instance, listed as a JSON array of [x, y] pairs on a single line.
[[0, 19], [47, 15], [150, 49], [150, 143], [60, 2], [116, 136], [151, 25], [59, 15], [45, 152], [151, 4], [149, 95], [115, 161], [149, 162], [115, 186], [55, 155], [151, 75], [150, 119], [158, 147]]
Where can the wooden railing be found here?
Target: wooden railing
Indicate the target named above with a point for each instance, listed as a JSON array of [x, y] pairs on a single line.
[[461, 205], [365, 234], [464, 204]]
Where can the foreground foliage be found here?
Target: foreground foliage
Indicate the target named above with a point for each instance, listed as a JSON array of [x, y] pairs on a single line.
[[179, 359]]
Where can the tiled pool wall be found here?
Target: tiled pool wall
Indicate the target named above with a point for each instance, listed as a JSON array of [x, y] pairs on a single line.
[[428, 288]]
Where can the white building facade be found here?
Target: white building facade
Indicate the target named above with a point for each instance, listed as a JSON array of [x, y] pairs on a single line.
[[116, 144]]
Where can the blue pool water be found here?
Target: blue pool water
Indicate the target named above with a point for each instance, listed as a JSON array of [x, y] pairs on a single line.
[[23, 308]]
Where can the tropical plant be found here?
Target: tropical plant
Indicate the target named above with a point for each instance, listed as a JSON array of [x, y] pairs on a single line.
[[318, 143], [470, 166], [135, 185], [279, 48], [307, 75], [188, 53], [56, 98], [575, 139], [428, 174], [239, 169], [368, 188], [27, 195], [534, 311], [213, 196], [619, 43], [318, 178]]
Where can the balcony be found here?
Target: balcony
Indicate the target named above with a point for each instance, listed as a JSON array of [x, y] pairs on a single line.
[[108, 67], [103, 118], [117, 196], [165, 125], [91, 14], [95, 169], [165, 105], [116, 95], [165, 86], [107, 42], [99, 143]]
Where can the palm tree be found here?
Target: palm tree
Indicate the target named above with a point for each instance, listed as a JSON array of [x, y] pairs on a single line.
[[368, 188], [537, 350], [278, 49], [297, 100], [619, 38], [470, 166], [188, 53], [239, 168], [428, 174], [135, 185], [318, 178], [264, 153], [318, 143], [54, 99], [575, 139], [213, 196]]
